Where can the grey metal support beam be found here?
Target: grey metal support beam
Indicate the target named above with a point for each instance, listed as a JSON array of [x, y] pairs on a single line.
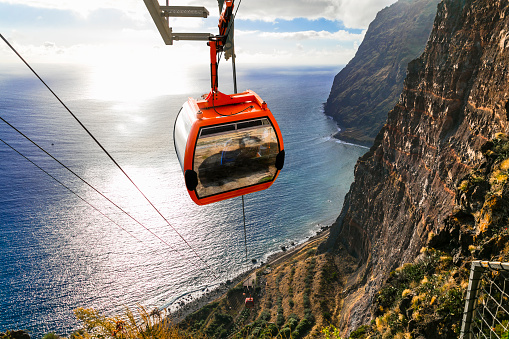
[[160, 13], [161, 24], [185, 11], [191, 36]]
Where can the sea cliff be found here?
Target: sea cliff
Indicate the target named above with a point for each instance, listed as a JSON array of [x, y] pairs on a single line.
[[455, 99], [370, 84]]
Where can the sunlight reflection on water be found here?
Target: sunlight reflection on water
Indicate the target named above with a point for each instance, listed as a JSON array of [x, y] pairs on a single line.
[[61, 254]]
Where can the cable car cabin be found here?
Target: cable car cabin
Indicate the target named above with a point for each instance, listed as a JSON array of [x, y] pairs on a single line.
[[227, 146], [249, 302]]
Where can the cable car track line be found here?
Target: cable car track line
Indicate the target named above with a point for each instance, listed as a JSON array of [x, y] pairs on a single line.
[[107, 153], [244, 218], [98, 192], [85, 201], [230, 25], [70, 190]]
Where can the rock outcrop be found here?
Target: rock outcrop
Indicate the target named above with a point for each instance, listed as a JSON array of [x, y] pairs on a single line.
[[455, 98], [369, 86]]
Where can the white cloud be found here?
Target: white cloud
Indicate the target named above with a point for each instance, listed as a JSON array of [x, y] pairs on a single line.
[[305, 35], [359, 13], [82, 7], [298, 56], [297, 48], [353, 13], [131, 29]]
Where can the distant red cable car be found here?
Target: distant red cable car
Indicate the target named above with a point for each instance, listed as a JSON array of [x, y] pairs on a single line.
[[249, 302]]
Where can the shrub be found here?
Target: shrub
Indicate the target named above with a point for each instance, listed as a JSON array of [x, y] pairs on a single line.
[[218, 326], [20, 334], [144, 325], [280, 320], [236, 289], [264, 316], [292, 322], [303, 326], [51, 335], [270, 331], [256, 332], [285, 333], [305, 301], [331, 332]]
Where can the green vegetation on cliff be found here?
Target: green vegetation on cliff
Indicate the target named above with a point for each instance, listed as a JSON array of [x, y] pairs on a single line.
[[423, 299], [294, 298], [426, 298]]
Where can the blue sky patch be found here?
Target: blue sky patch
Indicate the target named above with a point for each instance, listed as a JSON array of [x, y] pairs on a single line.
[[295, 25]]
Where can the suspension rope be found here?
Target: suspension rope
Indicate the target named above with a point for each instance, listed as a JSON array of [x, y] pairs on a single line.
[[88, 203], [234, 71], [245, 233], [70, 190], [104, 150], [97, 191], [230, 25]]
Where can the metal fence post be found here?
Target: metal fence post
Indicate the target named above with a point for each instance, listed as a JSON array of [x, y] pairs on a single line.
[[476, 271]]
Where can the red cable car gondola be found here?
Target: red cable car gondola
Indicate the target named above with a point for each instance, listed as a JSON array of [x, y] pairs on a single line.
[[249, 302], [227, 145]]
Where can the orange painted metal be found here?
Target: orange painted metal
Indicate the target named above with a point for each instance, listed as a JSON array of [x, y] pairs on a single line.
[[217, 109], [225, 18]]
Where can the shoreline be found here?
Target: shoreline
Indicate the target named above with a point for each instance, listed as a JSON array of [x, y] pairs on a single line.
[[274, 259], [346, 140]]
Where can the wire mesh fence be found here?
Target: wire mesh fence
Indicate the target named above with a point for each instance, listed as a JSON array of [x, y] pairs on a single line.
[[486, 312]]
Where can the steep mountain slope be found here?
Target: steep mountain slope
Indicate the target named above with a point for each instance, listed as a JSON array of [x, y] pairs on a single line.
[[455, 99], [295, 297], [369, 86]]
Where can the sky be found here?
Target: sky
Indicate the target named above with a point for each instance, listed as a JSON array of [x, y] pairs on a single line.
[[94, 32]]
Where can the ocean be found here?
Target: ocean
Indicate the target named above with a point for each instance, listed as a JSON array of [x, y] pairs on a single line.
[[59, 253]]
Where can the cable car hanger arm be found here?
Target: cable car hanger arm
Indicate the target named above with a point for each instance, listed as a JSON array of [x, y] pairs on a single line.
[[217, 42], [160, 14]]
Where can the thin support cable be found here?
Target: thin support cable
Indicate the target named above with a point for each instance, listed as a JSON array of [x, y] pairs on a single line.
[[235, 92], [97, 191], [104, 150], [230, 25], [69, 189], [234, 70], [244, 218], [82, 199]]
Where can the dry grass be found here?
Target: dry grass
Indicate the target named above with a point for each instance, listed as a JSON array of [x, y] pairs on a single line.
[[155, 324]]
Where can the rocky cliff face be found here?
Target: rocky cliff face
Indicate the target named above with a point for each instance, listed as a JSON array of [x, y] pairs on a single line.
[[370, 85], [455, 98]]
